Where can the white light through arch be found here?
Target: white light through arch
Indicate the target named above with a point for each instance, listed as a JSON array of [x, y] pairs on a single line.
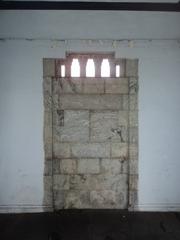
[[118, 70], [62, 70], [105, 68], [75, 68], [90, 68]]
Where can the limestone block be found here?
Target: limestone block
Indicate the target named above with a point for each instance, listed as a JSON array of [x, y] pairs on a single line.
[[133, 85], [75, 127], [47, 125], [121, 199], [61, 182], [47, 191], [56, 166], [59, 198], [133, 166], [103, 126], [91, 150], [93, 85], [47, 85], [48, 168], [48, 148], [133, 182], [133, 118], [125, 102], [61, 150], [83, 182], [70, 85], [48, 67], [68, 166], [119, 150], [133, 199], [116, 85], [114, 166], [103, 199], [133, 134], [89, 102], [123, 118], [47, 101], [77, 199], [131, 67], [88, 166], [115, 182], [133, 102], [133, 151]]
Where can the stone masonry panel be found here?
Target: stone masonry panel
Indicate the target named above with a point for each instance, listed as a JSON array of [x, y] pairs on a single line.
[[91, 139]]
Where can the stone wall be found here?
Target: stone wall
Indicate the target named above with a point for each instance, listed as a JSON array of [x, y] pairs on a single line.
[[91, 139]]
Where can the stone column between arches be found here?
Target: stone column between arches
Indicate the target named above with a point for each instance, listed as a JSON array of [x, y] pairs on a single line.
[[91, 139]]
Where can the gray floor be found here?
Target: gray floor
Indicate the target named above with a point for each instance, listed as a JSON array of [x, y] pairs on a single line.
[[90, 225]]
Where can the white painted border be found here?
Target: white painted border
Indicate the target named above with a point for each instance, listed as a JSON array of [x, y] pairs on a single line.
[[158, 207]]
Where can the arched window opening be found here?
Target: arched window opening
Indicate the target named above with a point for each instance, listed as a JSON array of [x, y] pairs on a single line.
[[90, 68], [105, 68], [63, 70], [75, 68], [118, 70]]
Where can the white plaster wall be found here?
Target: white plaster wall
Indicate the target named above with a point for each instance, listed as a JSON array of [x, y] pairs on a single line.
[[21, 112]]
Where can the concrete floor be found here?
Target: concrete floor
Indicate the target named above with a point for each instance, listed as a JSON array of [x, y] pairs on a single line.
[[90, 225]]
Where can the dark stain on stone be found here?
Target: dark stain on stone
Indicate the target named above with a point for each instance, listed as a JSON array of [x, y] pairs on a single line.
[[61, 117], [118, 131]]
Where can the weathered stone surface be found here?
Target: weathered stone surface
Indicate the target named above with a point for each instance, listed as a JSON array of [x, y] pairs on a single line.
[[104, 126], [68, 166], [47, 125], [83, 182], [133, 134], [131, 67], [133, 181], [133, 151], [133, 85], [103, 199], [88, 166], [114, 166], [133, 118], [91, 150], [89, 102], [116, 85], [77, 199], [119, 150], [56, 166], [48, 67], [122, 199], [125, 102], [133, 199], [75, 127], [61, 150], [61, 182], [48, 148], [133, 166], [48, 168], [47, 201], [47, 101], [115, 182], [93, 85], [133, 105], [47, 85], [70, 85], [123, 118], [59, 198], [121, 132]]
